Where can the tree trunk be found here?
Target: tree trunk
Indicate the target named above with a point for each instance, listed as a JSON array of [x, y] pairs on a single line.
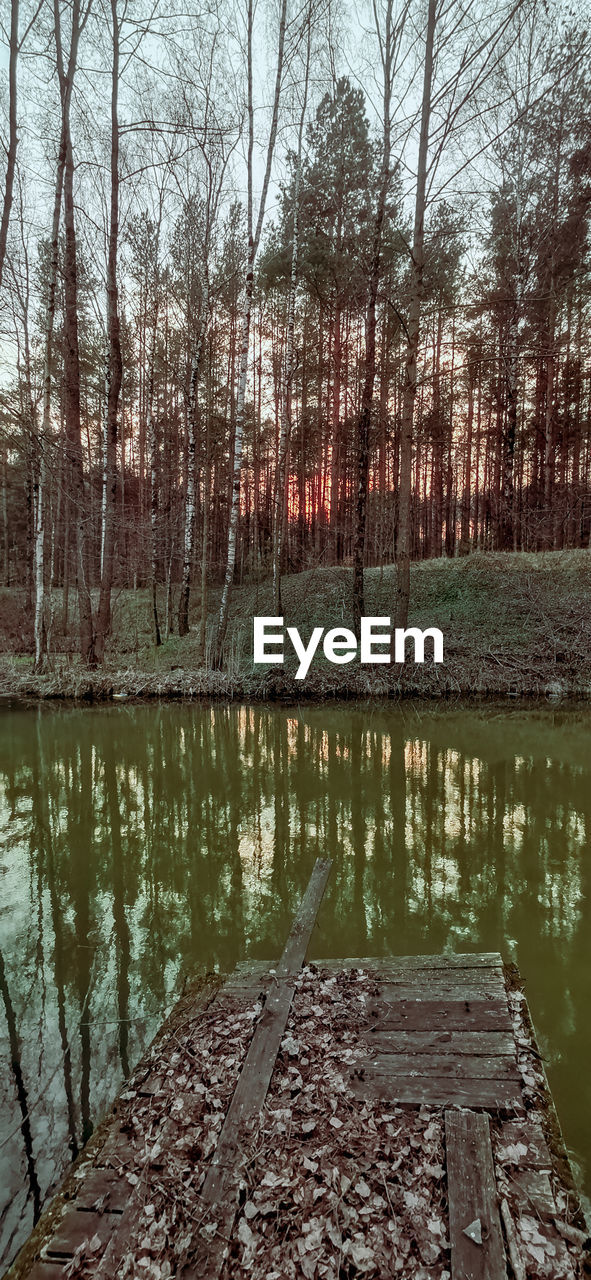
[[12, 134], [115, 365], [509, 435], [191, 481], [71, 353], [66, 83], [364, 420], [5, 548], [153, 457], [289, 370], [253, 244], [202, 644], [413, 335]]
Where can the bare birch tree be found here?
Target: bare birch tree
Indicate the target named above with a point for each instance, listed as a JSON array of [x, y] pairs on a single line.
[[66, 74], [389, 34], [115, 367], [214, 142], [71, 345], [254, 231], [12, 132]]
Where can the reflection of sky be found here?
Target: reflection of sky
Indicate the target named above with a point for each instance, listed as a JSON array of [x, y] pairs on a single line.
[[136, 844]]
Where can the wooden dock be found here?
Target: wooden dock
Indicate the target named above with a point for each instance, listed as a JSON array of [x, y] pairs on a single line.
[[441, 1040]]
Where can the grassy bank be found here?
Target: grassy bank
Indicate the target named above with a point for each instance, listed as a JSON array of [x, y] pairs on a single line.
[[514, 624]]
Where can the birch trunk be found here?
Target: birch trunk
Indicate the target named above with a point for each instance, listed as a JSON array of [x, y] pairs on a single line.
[[66, 84], [71, 349], [370, 337], [153, 456], [189, 539], [202, 644], [253, 244], [115, 366], [12, 133]]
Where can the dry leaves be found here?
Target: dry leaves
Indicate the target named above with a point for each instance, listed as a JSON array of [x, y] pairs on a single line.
[[335, 1186], [339, 1187]]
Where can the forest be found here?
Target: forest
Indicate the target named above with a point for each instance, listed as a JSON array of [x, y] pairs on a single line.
[[286, 284]]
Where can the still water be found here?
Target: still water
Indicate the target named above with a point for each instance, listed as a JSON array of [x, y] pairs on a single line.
[[141, 843]]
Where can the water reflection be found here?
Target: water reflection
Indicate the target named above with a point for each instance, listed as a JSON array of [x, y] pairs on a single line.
[[138, 843]]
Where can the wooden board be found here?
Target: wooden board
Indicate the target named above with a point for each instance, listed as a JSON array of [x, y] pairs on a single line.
[[472, 1042], [533, 1191], [472, 1194], [441, 1015], [294, 952], [530, 1134], [103, 1190], [454, 1065], [467, 990], [43, 1270], [77, 1226], [460, 960], [220, 1189], [440, 1091], [441, 980]]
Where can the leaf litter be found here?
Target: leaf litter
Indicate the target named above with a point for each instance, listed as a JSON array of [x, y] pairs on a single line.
[[335, 1186]]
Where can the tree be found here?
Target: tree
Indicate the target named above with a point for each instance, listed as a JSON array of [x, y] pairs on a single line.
[[279, 506], [388, 39], [12, 132], [115, 363], [413, 331], [254, 231]]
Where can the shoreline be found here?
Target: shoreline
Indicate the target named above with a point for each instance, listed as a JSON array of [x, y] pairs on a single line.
[[128, 686], [514, 625]]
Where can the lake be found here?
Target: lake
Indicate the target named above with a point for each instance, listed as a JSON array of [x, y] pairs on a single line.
[[142, 843]]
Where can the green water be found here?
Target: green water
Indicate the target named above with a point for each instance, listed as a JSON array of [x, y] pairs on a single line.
[[137, 843]]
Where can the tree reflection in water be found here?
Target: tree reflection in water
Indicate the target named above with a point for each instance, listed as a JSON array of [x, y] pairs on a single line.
[[141, 843]]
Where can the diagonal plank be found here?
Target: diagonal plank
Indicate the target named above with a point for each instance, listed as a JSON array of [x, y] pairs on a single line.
[[221, 1186], [472, 1195]]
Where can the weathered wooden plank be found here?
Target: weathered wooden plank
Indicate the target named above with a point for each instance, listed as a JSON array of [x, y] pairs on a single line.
[[152, 1085], [248, 967], [119, 1149], [441, 1015], [245, 987], [453, 1065], [45, 1270], [529, 1133], [103, 1190], [76, 1226], [472, 1195], [437, 979], [484, 1042], [460, 960], [294, 952], [439, 1091], [533, 1191], [220, 1189], [394, 992]]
